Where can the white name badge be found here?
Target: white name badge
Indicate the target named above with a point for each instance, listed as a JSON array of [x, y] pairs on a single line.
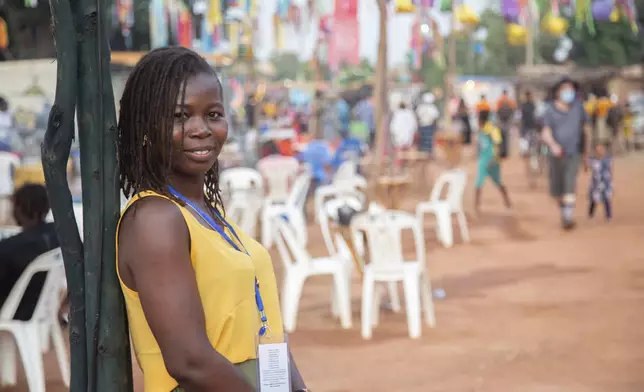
[[274, 368]]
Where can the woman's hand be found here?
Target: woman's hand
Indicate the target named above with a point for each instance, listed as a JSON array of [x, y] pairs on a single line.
[[556, 149], [154, 260]]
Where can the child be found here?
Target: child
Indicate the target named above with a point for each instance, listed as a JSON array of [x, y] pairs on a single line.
[[601, 184], [489, 158]]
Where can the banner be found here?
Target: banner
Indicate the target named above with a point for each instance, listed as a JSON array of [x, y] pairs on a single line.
[[344, 45]]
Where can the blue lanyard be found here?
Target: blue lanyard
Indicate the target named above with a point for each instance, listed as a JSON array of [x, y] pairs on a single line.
[[217, 227]]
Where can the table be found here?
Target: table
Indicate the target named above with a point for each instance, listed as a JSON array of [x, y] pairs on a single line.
[[418, 162], [393, 186]]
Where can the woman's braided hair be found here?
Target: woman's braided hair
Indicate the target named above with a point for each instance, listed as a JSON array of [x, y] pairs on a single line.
[[146, 119]]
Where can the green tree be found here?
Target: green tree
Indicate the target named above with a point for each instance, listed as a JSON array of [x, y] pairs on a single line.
[[612, 44], [287, 65]]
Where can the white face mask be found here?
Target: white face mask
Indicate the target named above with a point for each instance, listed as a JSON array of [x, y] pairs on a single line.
[[567, 95]]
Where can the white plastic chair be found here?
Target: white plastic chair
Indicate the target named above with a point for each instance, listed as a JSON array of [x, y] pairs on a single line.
[[345, 182], [383, 232], [299, 265], [292, 210], [29, 337], [279, 173], [443, 209]]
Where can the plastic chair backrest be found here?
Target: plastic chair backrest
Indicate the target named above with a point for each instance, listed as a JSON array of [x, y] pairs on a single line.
[[455, 180], [8, 162], [279, 172], [297, 196], [245, 214], [346, 172], [384, 243], [384, 236], [240, 178], [49, 300], [288, 245]]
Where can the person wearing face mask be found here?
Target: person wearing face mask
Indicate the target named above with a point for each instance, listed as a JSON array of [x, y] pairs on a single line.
[[566, 133]]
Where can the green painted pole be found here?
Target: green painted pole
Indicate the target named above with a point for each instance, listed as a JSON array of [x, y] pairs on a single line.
[[108, 353], [55, 154]]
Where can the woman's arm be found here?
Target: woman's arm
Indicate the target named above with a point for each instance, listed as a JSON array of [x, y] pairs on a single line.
[[154, 260]]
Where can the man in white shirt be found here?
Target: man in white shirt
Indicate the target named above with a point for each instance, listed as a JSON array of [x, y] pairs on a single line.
[[428, 115]]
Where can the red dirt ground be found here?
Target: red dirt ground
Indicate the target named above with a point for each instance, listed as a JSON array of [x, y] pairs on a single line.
[[529, 308]]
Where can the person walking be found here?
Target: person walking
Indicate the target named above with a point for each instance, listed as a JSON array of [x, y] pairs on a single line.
[[403, 129], [489, 161], [505, 109], [601, 183], [566, 133], [428, 115], [463, 116], [528, 123]]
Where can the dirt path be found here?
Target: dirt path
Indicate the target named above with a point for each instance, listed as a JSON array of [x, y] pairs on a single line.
[[529, 308]]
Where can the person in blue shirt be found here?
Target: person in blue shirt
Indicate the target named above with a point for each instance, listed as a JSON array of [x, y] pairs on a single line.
[[317, 154], [344, 114], [350, 149]]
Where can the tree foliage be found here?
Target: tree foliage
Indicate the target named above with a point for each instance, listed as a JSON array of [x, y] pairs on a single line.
[[612, 44], [287, 65]]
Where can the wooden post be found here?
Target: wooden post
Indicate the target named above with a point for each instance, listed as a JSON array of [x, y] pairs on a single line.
[[529, 57], [55, 154], [450, 77], [380, 95], [108, 362]]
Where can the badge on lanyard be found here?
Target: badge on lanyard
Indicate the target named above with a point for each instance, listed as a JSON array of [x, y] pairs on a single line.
[[273, 368]]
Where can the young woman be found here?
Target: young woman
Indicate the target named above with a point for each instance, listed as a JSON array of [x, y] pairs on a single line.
[[191, 280]]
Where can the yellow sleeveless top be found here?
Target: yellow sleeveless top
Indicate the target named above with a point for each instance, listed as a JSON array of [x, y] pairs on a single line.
[[225, 279]]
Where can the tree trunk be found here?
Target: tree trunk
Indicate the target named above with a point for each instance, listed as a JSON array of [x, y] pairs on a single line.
[[55, 154], [450, 77], [380, 93], [109, 367], [529, 48]]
